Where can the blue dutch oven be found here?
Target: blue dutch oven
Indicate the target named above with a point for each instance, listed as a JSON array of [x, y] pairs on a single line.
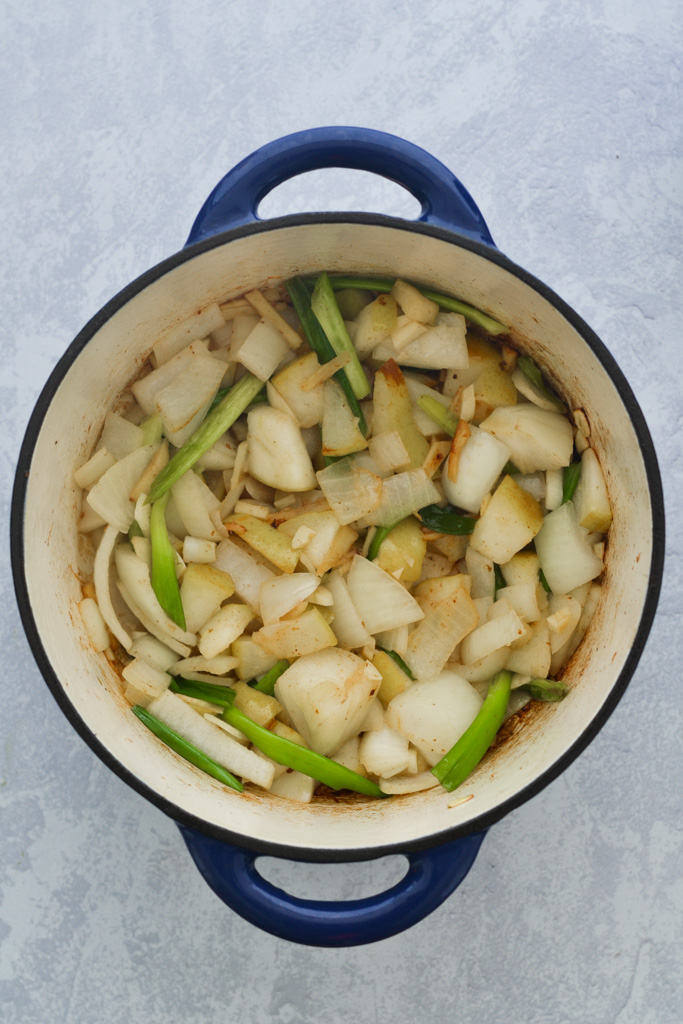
[[230, 250]]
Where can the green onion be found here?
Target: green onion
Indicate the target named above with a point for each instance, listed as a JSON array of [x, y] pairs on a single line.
[[546, 689], [499, 579], [214, 426], [465, 755], [510, 467], [533, 374], [152, 429], [438, 413], [380, 535], [570, 479], [267, 682], [329, 772], [544, 582], [385, 284], [446, 520], [164, 579], [317, 339], [187, 750], [399, 661], [135, 530], [214, 693], [259, 399], [326, 311]]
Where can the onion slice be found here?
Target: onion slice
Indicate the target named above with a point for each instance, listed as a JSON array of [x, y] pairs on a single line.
[[101, 581]]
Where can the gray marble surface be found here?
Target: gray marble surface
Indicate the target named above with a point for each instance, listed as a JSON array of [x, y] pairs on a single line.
[[563, 119]]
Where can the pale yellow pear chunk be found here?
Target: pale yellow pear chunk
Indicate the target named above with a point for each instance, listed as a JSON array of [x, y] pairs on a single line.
[[511, 520]]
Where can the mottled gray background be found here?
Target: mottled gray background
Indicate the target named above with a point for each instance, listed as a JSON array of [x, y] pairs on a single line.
[[563, 120]]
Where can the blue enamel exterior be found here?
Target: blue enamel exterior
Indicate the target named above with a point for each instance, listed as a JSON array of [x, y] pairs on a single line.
[[431, 877], [231, 871], [446, 203]]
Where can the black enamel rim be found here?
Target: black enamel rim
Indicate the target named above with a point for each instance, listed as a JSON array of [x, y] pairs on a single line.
[[183, 817]]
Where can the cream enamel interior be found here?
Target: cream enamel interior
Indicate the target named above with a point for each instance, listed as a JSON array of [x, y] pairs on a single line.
[[114, 355]]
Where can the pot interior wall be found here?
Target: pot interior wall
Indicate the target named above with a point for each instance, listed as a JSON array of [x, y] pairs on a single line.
[[114, 355]]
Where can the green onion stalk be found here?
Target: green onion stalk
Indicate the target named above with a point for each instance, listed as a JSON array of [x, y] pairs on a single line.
[[465, 755], [326, 311], [399, 661], [549, 690], [266, 683], [439, 413], [325, 770], [570, 480], [214, 426], [163, 577], [446, 302], [380, 535], [319, 342], [213, 693]]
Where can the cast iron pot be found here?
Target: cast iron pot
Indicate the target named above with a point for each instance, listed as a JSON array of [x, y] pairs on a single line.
[[230, 251]]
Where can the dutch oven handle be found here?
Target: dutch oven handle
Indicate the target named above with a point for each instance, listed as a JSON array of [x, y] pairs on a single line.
[[446, 203], [432, 876]]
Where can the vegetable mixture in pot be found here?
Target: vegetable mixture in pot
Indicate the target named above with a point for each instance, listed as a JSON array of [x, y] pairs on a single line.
[[341, 530]]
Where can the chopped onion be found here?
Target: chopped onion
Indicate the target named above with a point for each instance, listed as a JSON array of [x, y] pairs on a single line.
[[445, 624], [91, 471], [567, 559], [94, 624], [347, 624], [277, 453], [402, 495], [120, 436], [101, 582], [537, 439], [400, 784], [379, 599], [384, 752], [435, 713], [223, 628], [351, 491], [135, 577], [194, 502], [200, 325], [110, 497], [262, 350], [280, 595], [388, 451], [184, 402], [246, 571], [212, 741]]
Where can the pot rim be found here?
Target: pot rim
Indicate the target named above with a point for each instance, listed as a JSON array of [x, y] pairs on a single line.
[[267, 848]]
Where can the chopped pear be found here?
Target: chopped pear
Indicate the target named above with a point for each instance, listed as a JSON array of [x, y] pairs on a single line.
[[511, 520], [275, 545], [591, 500], [404, 549], [393, 410], [341, 434], [375, 322], [394, 679], [413, 303], [292, 638]]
